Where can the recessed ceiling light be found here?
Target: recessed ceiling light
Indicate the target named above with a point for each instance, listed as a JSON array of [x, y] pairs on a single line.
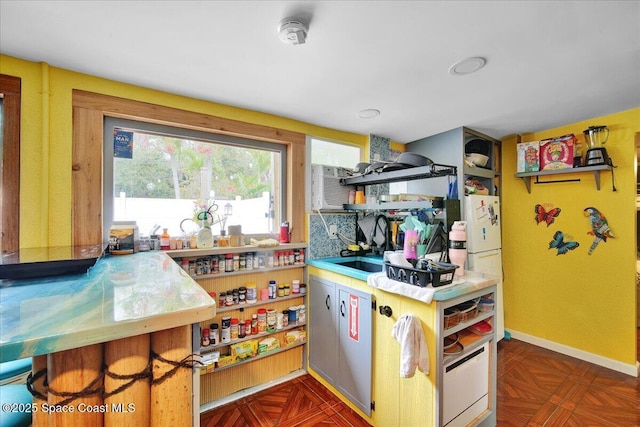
[[467, 66], [369, 113]]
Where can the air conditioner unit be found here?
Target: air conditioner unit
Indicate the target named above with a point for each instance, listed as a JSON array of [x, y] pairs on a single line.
[[327, 193]]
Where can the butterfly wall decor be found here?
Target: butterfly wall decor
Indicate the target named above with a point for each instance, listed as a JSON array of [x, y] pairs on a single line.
[[560, 245], [548, 217]]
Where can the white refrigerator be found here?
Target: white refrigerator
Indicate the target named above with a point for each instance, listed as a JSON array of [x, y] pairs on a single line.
[[484, 254]]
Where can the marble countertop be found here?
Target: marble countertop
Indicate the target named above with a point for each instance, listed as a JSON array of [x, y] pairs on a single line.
[[471, 281], [119, 297]]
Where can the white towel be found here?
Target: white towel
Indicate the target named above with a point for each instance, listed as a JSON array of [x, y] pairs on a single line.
[[413, 345], [381, 281]]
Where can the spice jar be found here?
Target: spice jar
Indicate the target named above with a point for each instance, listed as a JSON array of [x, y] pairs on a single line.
[[303, 288], [234, 329], [247, 327], [242, 295], [302, 314], [214, 334], [280, 290], [285, 318], [254, 324], [226, 329], [262, 321], [204, 341], [271, 320], [228, 263]]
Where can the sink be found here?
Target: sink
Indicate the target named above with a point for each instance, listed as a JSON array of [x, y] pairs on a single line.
[[370, 267]]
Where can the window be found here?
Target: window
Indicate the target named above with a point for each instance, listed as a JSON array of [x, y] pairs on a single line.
[[166, 177], [325, 152]]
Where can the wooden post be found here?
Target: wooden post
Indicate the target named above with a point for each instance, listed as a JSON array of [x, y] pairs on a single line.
[[72, 371], [39, 418], [131, 406], [171, 399]]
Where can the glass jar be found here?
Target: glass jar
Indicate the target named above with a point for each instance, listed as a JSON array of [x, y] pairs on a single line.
[[228, 263]]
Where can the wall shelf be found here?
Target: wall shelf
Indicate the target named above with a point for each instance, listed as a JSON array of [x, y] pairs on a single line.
[[420, 172], [526, 177]]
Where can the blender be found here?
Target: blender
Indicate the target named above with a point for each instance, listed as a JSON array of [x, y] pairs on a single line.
[[595, 138]]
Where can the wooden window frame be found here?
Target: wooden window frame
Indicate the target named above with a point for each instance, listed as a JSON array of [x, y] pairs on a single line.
[[89, 111], [10, 87]]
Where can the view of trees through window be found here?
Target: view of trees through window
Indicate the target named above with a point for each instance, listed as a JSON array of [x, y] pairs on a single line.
[[164, 180], [172, 168]]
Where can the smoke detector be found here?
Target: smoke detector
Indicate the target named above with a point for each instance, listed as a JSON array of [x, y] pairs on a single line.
[[292, 31]]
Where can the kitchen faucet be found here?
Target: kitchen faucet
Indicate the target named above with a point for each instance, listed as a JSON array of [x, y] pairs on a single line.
[[388, 245]]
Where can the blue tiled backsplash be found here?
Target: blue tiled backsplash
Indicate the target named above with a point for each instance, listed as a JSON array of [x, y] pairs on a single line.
[[320, 245]]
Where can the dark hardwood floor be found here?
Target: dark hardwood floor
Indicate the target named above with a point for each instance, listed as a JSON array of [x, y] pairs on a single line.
[[536, 387]]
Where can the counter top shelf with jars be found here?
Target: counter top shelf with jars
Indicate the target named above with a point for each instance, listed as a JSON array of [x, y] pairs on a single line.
[[222, 250], [217, 383]]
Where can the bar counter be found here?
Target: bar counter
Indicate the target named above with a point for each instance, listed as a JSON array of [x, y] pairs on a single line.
[[118, 337]]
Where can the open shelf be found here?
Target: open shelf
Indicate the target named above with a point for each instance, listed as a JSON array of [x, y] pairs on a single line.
[[526, 176], [261, 356], [420, 172]]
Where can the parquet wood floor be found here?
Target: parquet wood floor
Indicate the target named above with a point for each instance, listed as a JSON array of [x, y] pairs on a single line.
[[536, 387]]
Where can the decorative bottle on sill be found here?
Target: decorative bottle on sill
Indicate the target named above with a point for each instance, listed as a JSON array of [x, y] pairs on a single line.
[[205, 237]]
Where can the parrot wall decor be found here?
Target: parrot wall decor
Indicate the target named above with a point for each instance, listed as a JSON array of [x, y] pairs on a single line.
[[599, 227]]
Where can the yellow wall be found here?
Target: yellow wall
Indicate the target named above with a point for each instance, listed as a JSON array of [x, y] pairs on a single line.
[[587, 302], [46, 132]]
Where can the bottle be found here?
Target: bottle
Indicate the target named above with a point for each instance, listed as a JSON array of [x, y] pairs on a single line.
[[226, 329], [262, 320], [302, 314], [241, 325], [222, 239], [214, 334], [205, 342], [234, 329], [165, 240], [458, 246], [284, 232], [254, 324], [204, 238]]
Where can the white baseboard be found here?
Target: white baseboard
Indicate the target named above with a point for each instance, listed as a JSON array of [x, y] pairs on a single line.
[[633, 370]]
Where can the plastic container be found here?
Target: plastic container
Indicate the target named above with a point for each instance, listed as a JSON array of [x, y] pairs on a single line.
[[486, 304], [293, 315], [451, 317]]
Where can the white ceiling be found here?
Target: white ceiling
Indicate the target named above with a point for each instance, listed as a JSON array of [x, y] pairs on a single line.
[[549, 63]]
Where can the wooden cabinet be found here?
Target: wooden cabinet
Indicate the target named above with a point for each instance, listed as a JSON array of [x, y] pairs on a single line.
[[219, 382], [341, 339]]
